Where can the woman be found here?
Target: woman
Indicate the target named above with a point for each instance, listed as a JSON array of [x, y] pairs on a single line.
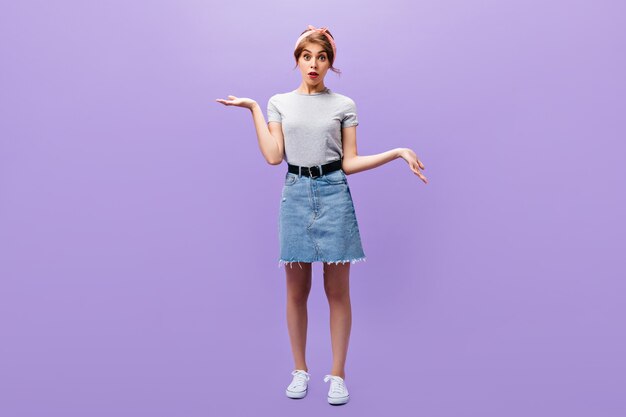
[[314, 130]]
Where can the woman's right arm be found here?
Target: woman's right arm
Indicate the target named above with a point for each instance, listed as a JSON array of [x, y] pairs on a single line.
[[270, 136], [271, 140]]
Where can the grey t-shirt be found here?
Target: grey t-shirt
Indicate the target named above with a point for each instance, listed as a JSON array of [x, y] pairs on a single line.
[[312, 124]]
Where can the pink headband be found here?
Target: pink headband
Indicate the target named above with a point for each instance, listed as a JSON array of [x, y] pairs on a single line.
[[322, 30]]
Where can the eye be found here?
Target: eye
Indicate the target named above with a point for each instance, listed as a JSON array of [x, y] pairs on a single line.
[[307, 57], [323, 57]]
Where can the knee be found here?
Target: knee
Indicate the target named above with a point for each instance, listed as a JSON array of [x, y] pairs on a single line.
[[298, 298], [299, 295], [336, 292]]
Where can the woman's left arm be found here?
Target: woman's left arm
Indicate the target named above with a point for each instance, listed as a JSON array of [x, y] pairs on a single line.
[[353, 163]]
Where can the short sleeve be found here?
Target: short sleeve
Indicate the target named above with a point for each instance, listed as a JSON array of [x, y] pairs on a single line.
[[350, 117], [273, 115]]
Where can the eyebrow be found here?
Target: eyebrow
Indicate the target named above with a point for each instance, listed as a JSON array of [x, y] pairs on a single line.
[[320, 52]]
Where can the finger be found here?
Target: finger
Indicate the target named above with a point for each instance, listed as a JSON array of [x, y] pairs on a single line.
[[420, 163], [417, 171]]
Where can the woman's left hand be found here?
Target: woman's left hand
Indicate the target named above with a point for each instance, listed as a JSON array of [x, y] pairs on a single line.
[[415, 164]]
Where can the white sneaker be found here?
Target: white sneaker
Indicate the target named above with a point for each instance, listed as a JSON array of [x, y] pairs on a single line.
[[338, 392], [299, 384]]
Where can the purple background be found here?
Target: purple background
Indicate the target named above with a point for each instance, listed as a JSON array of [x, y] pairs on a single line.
[[138, 218]]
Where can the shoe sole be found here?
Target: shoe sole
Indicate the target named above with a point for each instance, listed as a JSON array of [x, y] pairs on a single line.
[[296, 395], [338, 401]]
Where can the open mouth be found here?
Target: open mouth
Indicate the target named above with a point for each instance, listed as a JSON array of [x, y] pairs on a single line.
[[313, 74]]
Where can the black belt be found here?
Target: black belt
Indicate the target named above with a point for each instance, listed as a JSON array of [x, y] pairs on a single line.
[[315, 171]]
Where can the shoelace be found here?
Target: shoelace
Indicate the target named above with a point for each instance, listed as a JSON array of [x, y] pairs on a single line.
[[337, 385], [300, 378]]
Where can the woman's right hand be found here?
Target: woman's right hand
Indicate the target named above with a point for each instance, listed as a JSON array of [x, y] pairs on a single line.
[[248, 103]]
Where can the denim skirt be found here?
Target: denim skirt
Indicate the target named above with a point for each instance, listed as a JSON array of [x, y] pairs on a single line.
[[317, 221]]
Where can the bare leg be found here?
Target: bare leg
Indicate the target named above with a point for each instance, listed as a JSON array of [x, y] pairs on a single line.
[[298, 289], [337, 287]]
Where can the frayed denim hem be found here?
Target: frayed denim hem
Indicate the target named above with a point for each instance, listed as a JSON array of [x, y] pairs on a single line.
[[352, 261]]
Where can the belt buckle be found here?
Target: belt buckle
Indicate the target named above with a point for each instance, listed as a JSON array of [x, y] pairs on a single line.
[[311, 169]]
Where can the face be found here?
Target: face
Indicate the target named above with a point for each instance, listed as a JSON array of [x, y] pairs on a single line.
[[313, 59]]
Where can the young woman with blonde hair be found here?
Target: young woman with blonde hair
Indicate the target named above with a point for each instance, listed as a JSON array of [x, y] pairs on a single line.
[[314, 130]]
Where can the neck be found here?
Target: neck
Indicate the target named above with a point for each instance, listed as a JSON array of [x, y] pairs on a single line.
[[311, 89]]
